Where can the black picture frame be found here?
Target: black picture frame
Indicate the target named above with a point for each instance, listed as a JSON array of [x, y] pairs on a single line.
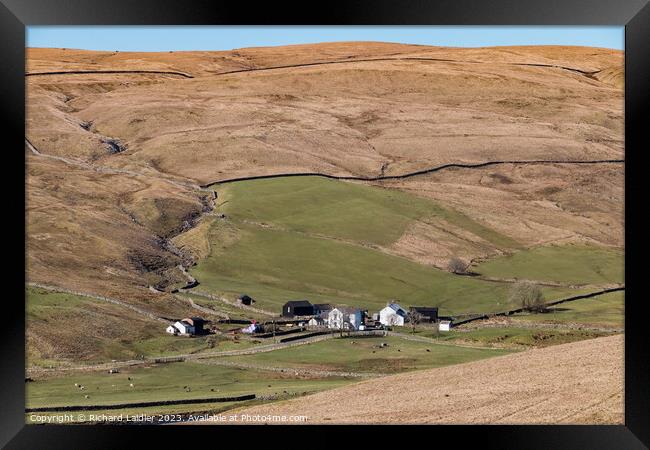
[[15, 15]]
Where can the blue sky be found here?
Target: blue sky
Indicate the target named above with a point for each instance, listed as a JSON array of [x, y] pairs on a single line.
[[165, 38]]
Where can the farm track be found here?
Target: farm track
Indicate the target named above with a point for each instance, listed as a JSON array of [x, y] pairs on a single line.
[[203, 309], [209, 355], [209, 296], [178, 358]]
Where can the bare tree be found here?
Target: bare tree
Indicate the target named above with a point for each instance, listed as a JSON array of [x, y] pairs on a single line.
[[457, 265], [414, 318], [527, 295]]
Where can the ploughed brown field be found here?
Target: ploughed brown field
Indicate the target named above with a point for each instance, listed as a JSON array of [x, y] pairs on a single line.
[[575, 383]]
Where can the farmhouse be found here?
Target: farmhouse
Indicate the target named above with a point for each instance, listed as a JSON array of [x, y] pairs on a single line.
[[393, 315], [345, 318], [428, 314], [297, 308], [187, 326]]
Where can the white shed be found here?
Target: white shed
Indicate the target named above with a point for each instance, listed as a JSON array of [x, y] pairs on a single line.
[[316, 322], [444, 325], [171, 329], [393, 315]]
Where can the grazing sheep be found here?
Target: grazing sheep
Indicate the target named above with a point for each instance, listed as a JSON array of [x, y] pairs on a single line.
[[131, 385], [82, 388], [86, 396], [76, 385]]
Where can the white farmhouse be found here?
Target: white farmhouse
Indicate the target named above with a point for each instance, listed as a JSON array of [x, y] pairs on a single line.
[[184, 327], [345, 318], [393, 315], [188, 326]]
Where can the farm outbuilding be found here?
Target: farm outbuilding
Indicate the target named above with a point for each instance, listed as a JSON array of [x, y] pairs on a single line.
[[297, 308], [428, 314], [444, 325], [316, 322], [320, 308]]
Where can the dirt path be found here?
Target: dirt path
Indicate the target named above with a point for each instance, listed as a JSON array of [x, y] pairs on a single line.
[[209, 296], [203, 309], [581, 382]]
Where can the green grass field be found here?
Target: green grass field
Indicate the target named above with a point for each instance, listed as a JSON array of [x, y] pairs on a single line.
[[607, 310], [314, 238], [361, 354], [578, 264], [166, 382], [519, 336], [338, 209]]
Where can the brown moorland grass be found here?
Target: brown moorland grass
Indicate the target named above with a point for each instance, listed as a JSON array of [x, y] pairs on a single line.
[[574, 383], [412, 107]]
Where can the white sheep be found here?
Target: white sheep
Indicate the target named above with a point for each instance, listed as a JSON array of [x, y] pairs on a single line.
[[131, 385]]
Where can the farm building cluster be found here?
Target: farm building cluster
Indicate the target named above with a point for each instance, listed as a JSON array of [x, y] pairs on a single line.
[[319, 317], [350, 318]]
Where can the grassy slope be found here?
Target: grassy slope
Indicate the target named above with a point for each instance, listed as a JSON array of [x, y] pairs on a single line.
[[568, 263], [520, 336], [316, 242], [604, 310], [340, 209], [361, 354], [104, 334]]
